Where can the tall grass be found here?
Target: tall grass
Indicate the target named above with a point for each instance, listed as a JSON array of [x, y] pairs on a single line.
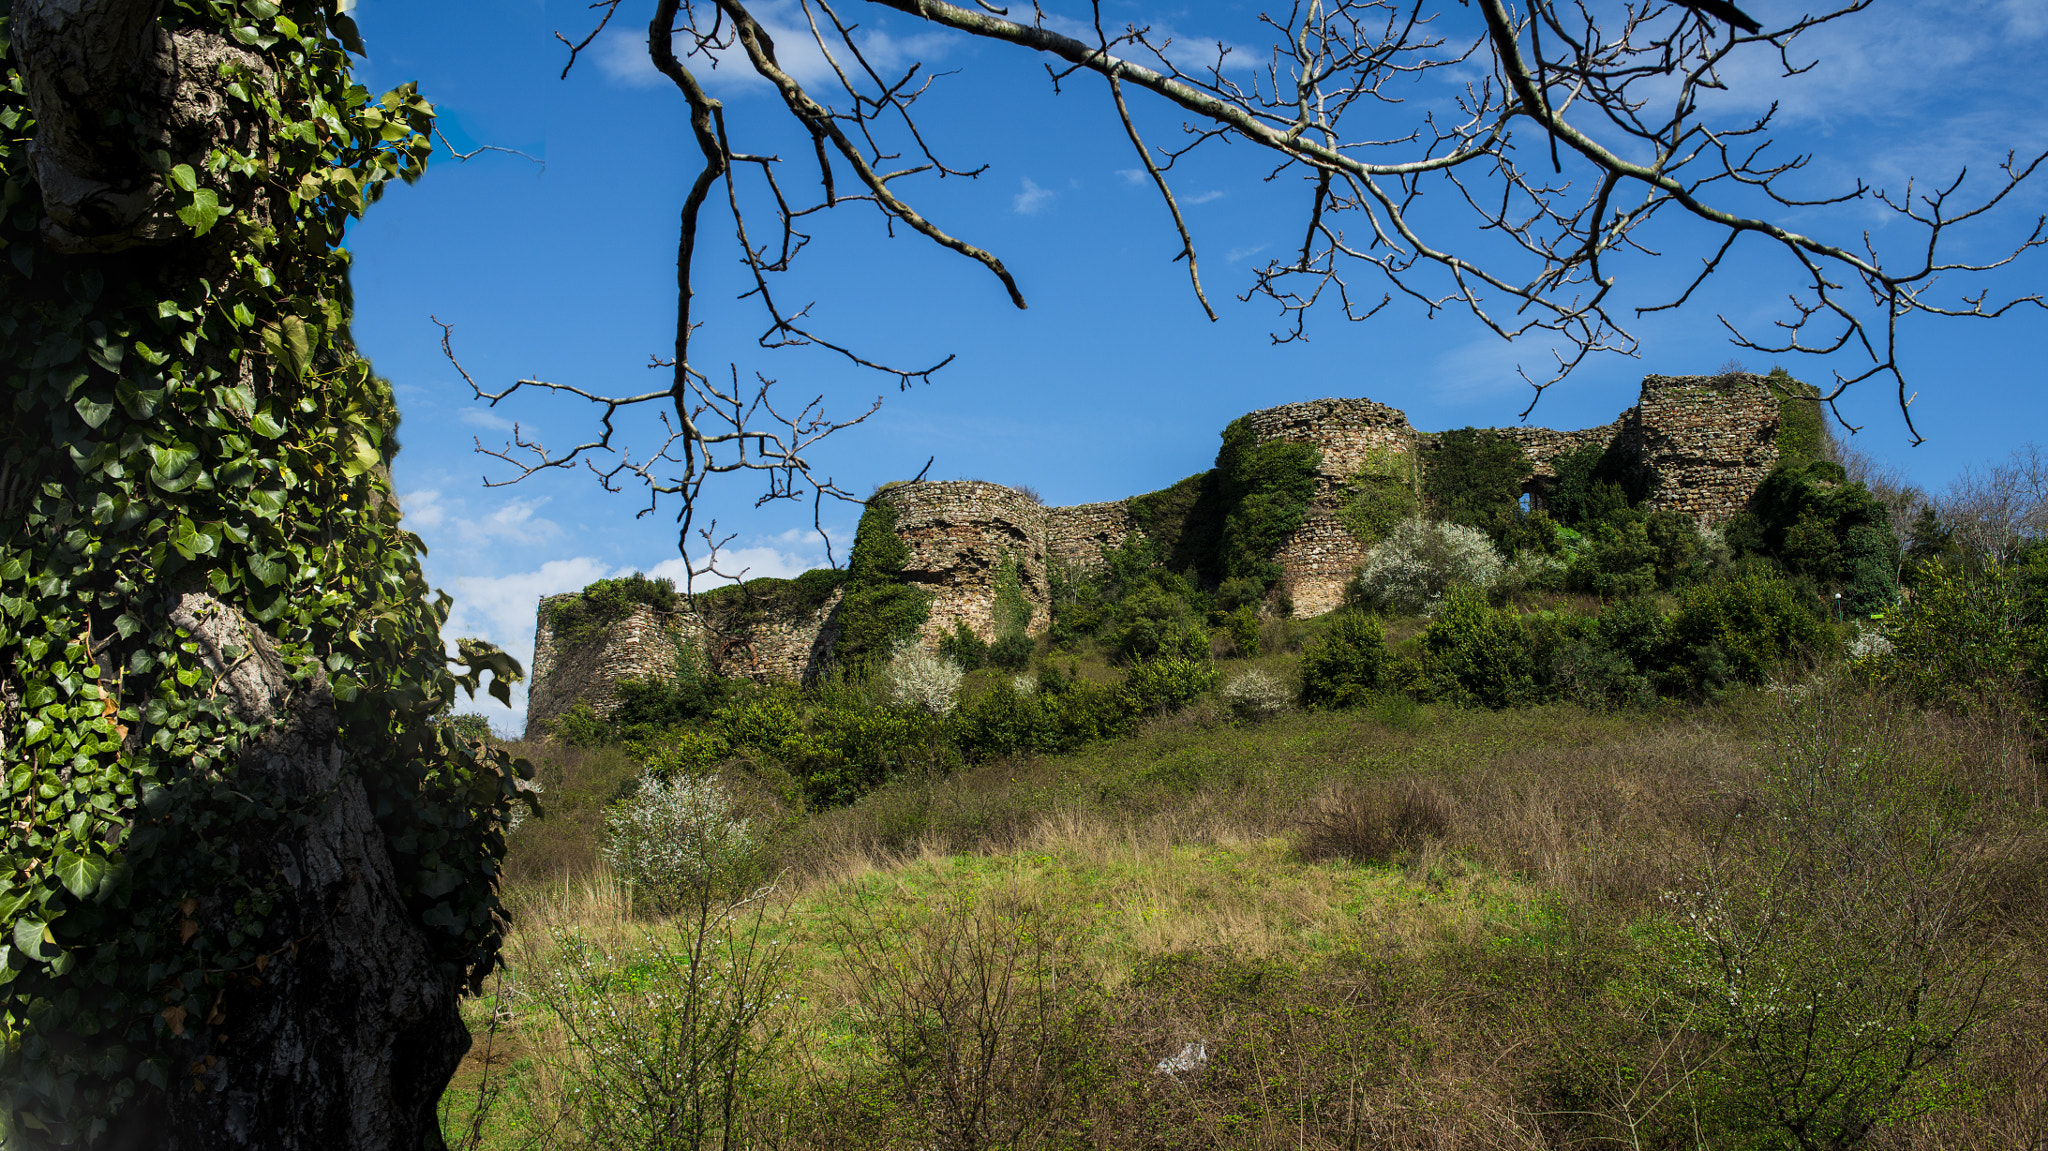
[[1404, 927]]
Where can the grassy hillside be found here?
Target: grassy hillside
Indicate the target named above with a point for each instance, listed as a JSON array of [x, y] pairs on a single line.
[[1400, 926]]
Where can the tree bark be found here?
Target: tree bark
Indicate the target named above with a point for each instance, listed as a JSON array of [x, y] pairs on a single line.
[[345, 1036]]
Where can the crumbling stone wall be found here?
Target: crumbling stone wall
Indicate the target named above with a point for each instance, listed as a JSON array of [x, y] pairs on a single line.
[[769, 647], [958, 533], [563, 675], [1702, 444], [1077, 535], [1322, 555]]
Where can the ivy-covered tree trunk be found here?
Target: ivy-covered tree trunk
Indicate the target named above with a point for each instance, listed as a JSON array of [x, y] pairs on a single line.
[[245, 873]]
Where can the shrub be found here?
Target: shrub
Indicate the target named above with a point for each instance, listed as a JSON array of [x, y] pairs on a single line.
[[1478, 655], [1347, 667], [761, 721], [963, 647], [1617, 561], [1154, 622], [1243, 628], [1375, 824], [1012, 652], [920, 677], [1167, 684], [1419, 561], [1531, 573], [1737, 630], [1967, 638], [1593, 485], [673, 836], [684, 751], [580, 726], [1254, 695]]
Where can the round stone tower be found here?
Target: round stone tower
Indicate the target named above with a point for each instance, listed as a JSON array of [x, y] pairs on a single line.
[[1353, 436], [959, 533]]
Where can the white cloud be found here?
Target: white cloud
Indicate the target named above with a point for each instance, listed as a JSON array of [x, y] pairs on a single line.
[[622, 54], [1032, 200], [422, 509], [483, 418], [1132, 175], [1204, 197], [1236, 254]]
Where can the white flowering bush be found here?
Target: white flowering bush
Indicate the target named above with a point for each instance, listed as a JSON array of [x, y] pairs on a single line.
[[1024, 684], [676, 836], [1419, 561], [1255, 695], [919, 677]]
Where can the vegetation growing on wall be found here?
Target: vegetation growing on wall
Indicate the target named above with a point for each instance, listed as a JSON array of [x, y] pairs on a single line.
[[1381, 495], [1473, 477], [879, 609], [1803, 435], [1266, 489], [187, 420], [583, 616], [1184, 521], [768, 598], [1593, 483]]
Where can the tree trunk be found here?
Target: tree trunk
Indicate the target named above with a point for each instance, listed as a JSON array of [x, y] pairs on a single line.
[[344, 1029]]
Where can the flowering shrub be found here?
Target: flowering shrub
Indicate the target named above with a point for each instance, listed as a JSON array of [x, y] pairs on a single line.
[[676, 836], [919, 677], [1419, 561], [1256, 695]]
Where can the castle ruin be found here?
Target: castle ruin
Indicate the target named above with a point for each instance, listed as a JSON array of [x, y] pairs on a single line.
[[1697, 444]]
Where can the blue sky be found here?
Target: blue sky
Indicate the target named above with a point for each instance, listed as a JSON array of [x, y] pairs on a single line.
[[1113, 382]]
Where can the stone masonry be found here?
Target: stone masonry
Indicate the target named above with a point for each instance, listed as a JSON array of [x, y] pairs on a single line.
[[958, 533], [1701, 443]]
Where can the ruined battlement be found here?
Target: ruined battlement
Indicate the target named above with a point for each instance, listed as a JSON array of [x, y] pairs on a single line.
[[1697, 444]]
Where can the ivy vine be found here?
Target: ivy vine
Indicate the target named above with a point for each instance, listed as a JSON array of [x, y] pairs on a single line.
[[189, 418]]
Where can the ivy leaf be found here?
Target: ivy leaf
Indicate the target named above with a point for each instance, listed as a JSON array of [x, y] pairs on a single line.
[[344, 29], [266, 502], [266, 569], [190, 541], [93, 412], [185, 178], [203, 212], [140, 404], [106, 353], [30, 934], [266, 425], [80, 874], [290, 343], [362, 457], [261, 9]]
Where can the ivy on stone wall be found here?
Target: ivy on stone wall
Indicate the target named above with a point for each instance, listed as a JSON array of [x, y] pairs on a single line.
[[584, 616], [879, 608], [193, 419], [1266, 489], [1802, 425], [1473, 477], [1382, 494]]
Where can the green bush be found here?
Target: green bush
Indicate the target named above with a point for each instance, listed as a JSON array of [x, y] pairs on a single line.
[[963, 647], [1802, 426], [879, 609], [1477, 654], [1813, 521], [1012, 652], [1966, 637], [584, 616], [1167, 684], [581, 726], [1738, 630], [1064, 713], [1593, 484], [1156, 621], [1348, 665], [1243, 627], [1617, 560]]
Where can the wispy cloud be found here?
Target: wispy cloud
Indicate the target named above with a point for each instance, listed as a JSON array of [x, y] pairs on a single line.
[[1236, 254], [1132, 175], [622, 55], [1033, 199], [482, 418], [511, 521], [1204, 197]]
